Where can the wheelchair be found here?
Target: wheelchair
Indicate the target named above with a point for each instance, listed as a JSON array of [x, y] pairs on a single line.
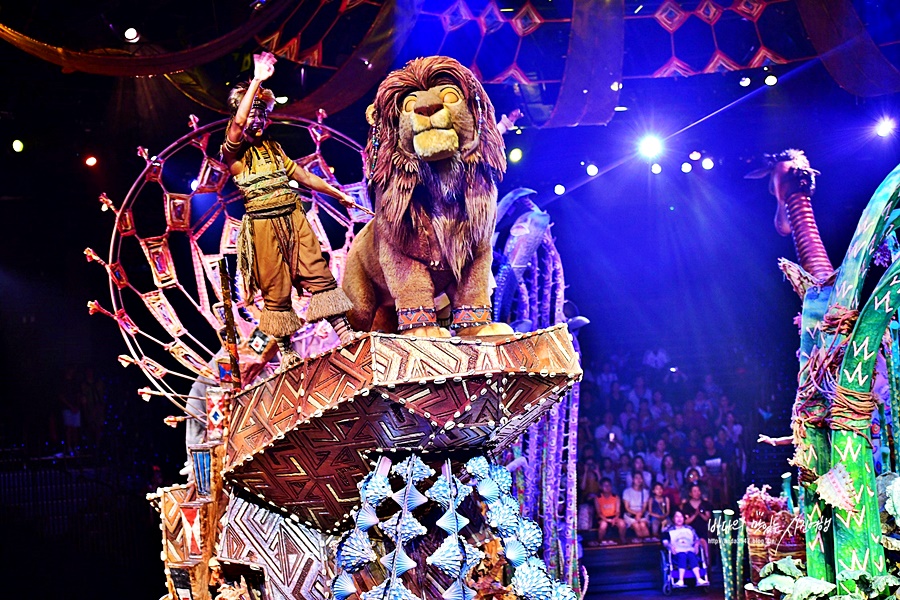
[[670, 573]]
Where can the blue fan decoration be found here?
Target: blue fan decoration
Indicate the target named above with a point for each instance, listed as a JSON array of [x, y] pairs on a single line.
[[478, 467], [343, 586], [457, 591], [409, 528], [395, 591], [488, 490], [355, 551], [452, 522], [515, 553], [366, 517], [530, 535], [503, 515], [562, 591], [410, 497], [531, 582], [449, 557], [440, 492], [501, 476], [412, 470], [374, 488], [398, 561]]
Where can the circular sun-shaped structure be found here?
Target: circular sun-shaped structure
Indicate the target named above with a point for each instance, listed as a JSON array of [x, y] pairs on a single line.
[[178, 226]]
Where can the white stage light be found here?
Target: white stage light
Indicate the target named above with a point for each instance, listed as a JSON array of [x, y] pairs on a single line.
[[650, 146], [18, 146], [707, 163], [592, 170], [885, 127], [515, 155], [559, 189], [132, 35], [656, 168], [771, 80], [686, 167]]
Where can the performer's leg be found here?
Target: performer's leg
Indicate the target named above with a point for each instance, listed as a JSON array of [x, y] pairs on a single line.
[[312, 273], [278, 318]]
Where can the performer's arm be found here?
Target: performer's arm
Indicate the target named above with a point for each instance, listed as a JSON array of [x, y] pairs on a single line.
[[315, 183], [780, 441], [263, 68]]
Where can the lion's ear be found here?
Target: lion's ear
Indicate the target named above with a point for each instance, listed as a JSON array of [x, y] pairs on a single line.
[[370, 114]]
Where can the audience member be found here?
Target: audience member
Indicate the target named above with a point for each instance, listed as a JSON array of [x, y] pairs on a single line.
[[638, 466], [671, 479], [589, 482], [660, 410], [675, 385], [694, 443], [606, 378], [658, 510], [639, 391], [712, 389], [694, 463], [634, 499], [612, 448], [693, 418], [601, 434], [655, 458], [627, 414], [684, 543], [697, 513], [609, 512], [609, 469], [622, 472], [732, 428], [616, 398], [703, 407], [632, 432], [640, 447], [646, 421], [692, 478]]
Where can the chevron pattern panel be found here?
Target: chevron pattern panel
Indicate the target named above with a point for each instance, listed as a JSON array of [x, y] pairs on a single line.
[[290, 555], [300, 441], [167, 501]]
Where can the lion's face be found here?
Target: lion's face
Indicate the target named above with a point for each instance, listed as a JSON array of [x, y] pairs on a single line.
[[435, 123]]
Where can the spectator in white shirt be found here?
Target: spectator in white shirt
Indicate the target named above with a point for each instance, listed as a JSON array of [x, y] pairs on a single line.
[[601, 433]]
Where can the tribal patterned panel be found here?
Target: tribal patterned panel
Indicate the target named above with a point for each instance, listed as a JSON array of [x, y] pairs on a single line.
[[290, 555], [399, 359], [314, 470], [168, 502], [543, 350], [301, 440]]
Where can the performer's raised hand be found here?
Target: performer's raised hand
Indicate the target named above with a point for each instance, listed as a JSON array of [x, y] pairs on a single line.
[[263, 65]]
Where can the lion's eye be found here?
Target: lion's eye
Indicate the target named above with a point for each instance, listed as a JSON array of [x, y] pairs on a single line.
[[449, 96], [409, 104]]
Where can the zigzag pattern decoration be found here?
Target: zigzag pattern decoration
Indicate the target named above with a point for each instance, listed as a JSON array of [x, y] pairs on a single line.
[[289, 554], [301, 440], [167, 501]]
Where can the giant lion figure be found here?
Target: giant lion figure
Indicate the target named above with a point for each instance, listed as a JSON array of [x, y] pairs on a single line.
[[434, 159]]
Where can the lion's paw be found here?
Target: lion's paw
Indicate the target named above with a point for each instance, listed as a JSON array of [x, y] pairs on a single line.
[[430, 332], [486, 329]]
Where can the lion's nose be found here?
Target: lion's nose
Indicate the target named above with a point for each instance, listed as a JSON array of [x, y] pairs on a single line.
[[428, 104]]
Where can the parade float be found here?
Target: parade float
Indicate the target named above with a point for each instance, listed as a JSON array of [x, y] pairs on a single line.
[[847, 402], [391, 466]]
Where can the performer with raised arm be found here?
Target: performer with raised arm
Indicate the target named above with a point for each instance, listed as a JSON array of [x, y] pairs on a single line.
[[277, 249]]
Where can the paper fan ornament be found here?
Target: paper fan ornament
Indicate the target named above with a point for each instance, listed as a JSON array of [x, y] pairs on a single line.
[[836, 488]]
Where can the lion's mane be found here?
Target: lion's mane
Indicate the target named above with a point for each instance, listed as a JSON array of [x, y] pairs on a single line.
[[395, 172]]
